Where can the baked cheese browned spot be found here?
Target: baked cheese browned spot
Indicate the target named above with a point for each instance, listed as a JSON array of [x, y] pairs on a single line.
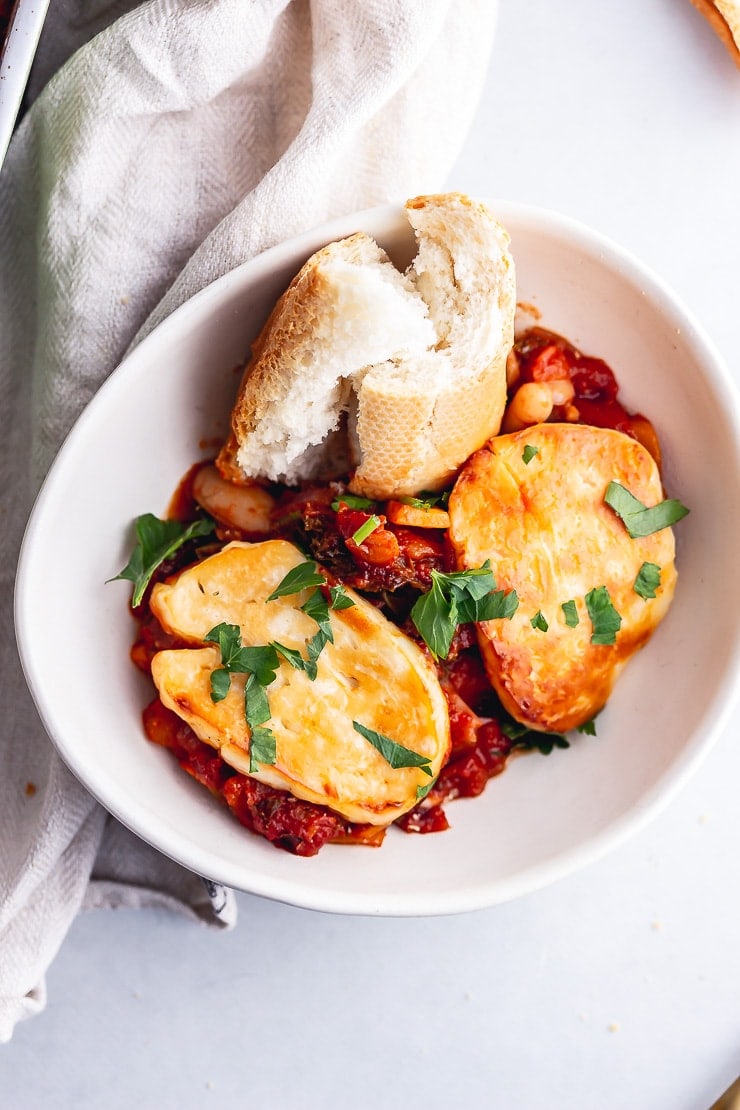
[[372, 674], [549, 535]]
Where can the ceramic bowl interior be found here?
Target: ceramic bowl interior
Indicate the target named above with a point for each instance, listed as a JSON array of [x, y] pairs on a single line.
[[168, 404]]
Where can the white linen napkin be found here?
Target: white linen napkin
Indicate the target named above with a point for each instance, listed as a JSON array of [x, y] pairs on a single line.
[[183, 138]]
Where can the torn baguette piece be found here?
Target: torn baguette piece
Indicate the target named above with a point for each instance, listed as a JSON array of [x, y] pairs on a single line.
[[414, 363]]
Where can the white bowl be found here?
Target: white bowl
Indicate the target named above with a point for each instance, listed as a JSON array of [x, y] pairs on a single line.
[[544, 816]]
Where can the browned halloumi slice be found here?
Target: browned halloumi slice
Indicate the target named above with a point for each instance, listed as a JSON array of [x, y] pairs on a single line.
[[372, 674], [549, 535]]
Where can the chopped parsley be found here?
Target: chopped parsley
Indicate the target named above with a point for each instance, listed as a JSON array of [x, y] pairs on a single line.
[[531, 739], [529, 453], [352, 501], [299, 578], [339, 598], [459, 598], [539, 621], [157, 540], [393, 753], [638, 519], [605, 619], [260, 663], [570, 612], [426, 500], [648, 580]]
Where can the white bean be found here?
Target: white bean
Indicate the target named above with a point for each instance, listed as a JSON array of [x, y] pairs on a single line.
[[531, 404], [246, 508]]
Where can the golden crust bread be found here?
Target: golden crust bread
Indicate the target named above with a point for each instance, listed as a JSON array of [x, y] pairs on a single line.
[[418, 422], [724, 18], [414, 364], [372, 673], [549, 535]]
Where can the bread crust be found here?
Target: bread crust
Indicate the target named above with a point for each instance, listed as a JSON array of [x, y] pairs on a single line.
[[549, 535], [414, 414]]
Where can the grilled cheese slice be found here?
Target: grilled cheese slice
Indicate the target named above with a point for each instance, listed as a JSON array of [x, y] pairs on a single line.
[[549, 535], [372, 674]]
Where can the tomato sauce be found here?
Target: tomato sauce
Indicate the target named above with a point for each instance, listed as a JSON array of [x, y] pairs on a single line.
[[543, 356], [390, 566]]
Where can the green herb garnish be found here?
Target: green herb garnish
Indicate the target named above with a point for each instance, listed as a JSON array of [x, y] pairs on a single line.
[[648, 580], [539, 621], [393, 753], [529, 453], [352, 501], [570, 612], [262, 747], [260, 664], [156, 541], [459, 598], [638, 519], [605, 619], [299, 578], [426, 500], [531, 739], [371, 525], [339, 598]]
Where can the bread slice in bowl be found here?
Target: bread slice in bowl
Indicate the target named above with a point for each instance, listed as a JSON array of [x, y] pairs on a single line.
[[394, 377]]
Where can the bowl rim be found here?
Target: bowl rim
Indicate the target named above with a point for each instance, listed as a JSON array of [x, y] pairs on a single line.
[[393, 904]]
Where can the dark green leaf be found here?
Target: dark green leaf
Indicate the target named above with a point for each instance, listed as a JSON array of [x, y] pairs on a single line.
[[474, 583], [229, 639], [529, 453], [299, 578], [498, 605], [317, 607], [256, 705], [394, 754], [262, 748], [638, 519], [157, 541], [435, 616], [290, 655], [220, 684], [588, 728], [261, 661], [339, 598], [605, 619], [539, 621], [648, 580], [544, 742], [530, 739], [352, 501], [457, 598]]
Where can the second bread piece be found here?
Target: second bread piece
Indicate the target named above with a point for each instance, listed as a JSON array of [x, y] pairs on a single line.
[[421, 417]]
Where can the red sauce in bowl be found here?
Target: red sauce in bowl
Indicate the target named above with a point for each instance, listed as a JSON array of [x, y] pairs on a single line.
[[390, 566]]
